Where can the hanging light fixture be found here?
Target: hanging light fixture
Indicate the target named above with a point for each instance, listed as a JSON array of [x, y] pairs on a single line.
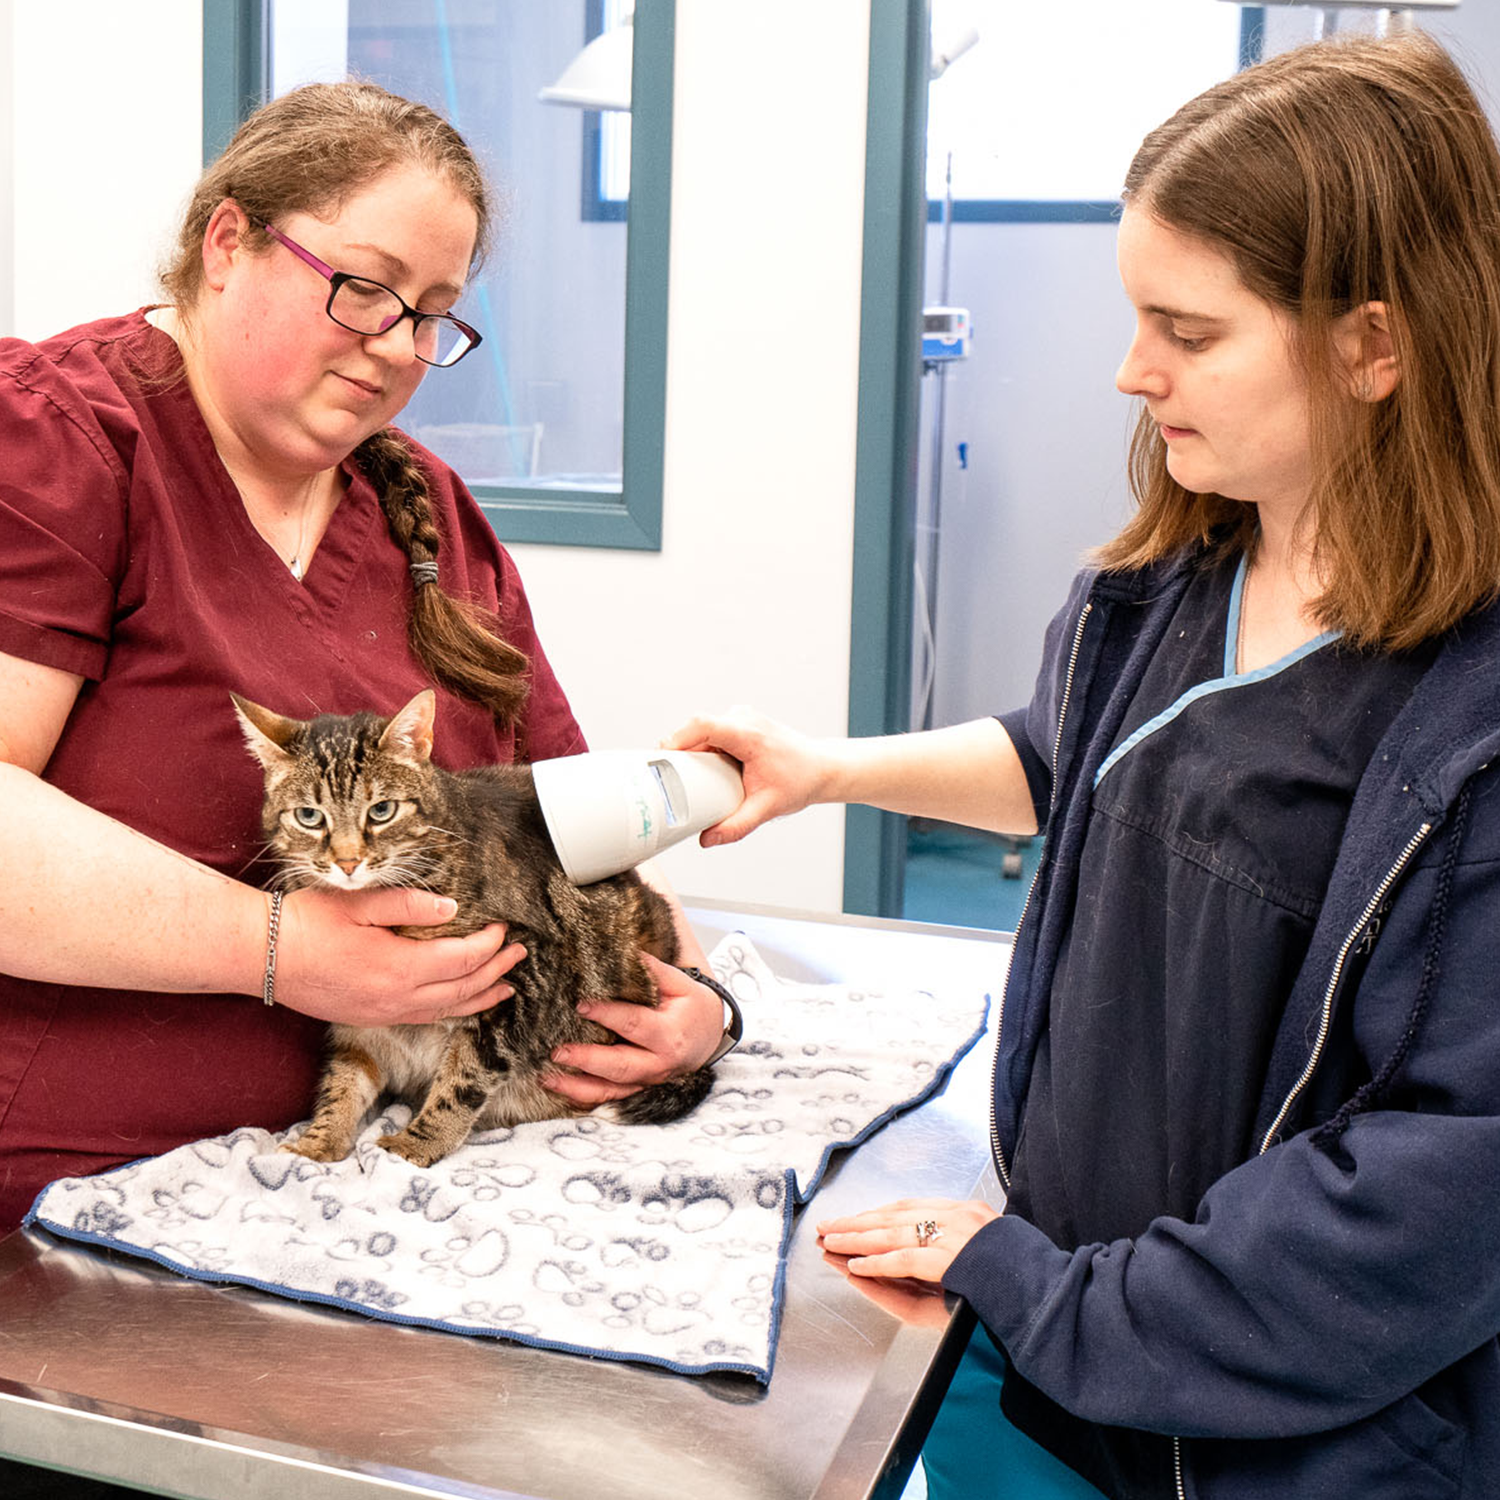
[[599, 77], [948, 48]]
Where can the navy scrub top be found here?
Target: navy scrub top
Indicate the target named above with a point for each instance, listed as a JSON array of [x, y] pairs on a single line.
[[1215, 824]]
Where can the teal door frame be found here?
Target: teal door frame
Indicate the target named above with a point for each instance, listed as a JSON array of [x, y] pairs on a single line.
[[890, 374]]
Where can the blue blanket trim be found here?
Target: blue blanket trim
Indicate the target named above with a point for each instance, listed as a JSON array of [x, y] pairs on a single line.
[[794, 1197], [940, 1076]]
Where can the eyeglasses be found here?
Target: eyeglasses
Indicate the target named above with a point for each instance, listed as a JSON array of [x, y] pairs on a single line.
[[371, 308]]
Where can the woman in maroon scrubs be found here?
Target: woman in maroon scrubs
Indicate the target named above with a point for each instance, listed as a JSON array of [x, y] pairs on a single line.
[[206, 497]]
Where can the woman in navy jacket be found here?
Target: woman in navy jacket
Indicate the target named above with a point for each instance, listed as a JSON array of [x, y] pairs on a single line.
[[1247, 1082]]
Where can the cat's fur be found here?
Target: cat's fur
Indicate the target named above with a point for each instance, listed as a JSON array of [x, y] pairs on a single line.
[[390, 817]]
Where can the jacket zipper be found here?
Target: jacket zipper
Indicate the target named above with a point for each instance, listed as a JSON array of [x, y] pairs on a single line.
[[1062, 718], [1325, 1023], [1062, 712]]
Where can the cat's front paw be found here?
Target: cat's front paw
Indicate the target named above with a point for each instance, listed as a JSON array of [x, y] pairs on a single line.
[[315, 1149], [419, 1152]]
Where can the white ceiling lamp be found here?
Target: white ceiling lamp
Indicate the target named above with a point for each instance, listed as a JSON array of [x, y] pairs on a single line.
[[599, 77], [948, 48]]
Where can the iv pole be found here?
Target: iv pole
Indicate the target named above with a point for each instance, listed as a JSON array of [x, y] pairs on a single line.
[[943, 53], [927, 576]]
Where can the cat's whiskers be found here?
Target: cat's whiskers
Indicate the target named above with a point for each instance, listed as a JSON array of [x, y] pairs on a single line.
[[452, 833], [413, 867], [265, 854], [408, 878], [298, 871]]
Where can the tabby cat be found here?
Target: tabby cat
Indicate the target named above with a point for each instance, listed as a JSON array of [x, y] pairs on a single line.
[[352, 802]]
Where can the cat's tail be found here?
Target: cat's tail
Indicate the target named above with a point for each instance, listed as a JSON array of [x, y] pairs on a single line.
[[662, 1103]]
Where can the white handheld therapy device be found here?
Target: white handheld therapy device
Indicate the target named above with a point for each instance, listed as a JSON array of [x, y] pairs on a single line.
[[609, 810]]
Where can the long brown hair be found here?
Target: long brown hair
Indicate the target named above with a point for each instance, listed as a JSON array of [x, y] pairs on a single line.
[[309, 151], [1338, 174]]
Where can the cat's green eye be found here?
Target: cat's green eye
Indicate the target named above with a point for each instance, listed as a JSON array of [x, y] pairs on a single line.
[[308, 817], [382, 812]]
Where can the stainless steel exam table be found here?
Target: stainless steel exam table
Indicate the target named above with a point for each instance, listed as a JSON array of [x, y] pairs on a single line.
[[117, 1369]]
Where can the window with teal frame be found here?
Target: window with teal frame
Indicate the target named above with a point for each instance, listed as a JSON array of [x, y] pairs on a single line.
[[1037, 128], [556, 422]]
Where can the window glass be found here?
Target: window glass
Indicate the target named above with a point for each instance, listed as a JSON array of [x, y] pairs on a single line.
[[1052, 101], [614, 126], [540, 404]]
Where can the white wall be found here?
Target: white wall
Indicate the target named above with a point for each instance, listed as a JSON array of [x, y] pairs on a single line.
[[105, 141], [750, 596]]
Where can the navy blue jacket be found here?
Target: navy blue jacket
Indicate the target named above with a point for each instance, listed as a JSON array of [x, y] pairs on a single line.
[[1327, 1324]]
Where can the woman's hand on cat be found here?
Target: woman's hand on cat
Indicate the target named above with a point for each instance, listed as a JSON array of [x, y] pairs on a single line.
[[677, 1035], [783, 771], [338, 959]]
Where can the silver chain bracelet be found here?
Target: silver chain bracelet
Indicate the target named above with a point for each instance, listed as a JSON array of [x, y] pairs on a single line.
[[268, 988]]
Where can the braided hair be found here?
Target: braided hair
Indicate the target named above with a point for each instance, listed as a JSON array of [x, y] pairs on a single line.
[[458, 643]]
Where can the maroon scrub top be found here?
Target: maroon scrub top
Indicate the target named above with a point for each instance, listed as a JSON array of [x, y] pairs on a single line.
[[127, 557]]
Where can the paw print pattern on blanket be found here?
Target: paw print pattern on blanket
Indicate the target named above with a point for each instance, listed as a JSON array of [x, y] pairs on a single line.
[[660, 1243]]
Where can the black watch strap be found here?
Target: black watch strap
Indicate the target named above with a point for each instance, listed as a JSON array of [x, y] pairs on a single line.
[[734, 1027]]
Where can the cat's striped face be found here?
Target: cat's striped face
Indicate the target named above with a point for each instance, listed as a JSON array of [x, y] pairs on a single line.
[[346, 799], [347, 814]]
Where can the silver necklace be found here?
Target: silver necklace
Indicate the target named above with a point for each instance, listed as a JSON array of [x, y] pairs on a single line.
[[296, 564]]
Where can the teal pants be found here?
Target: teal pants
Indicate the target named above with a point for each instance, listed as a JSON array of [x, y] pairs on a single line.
[[973, 1453]]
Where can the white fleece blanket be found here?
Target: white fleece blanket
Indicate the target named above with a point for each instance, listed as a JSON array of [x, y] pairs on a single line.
[[664, 1244]]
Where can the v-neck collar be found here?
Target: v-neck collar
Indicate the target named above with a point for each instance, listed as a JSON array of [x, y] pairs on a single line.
[[1232, 636], [1227, 681], [335, 561]]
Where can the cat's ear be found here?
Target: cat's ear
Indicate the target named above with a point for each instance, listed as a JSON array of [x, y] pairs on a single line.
[[409, 734], [266, 733]]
